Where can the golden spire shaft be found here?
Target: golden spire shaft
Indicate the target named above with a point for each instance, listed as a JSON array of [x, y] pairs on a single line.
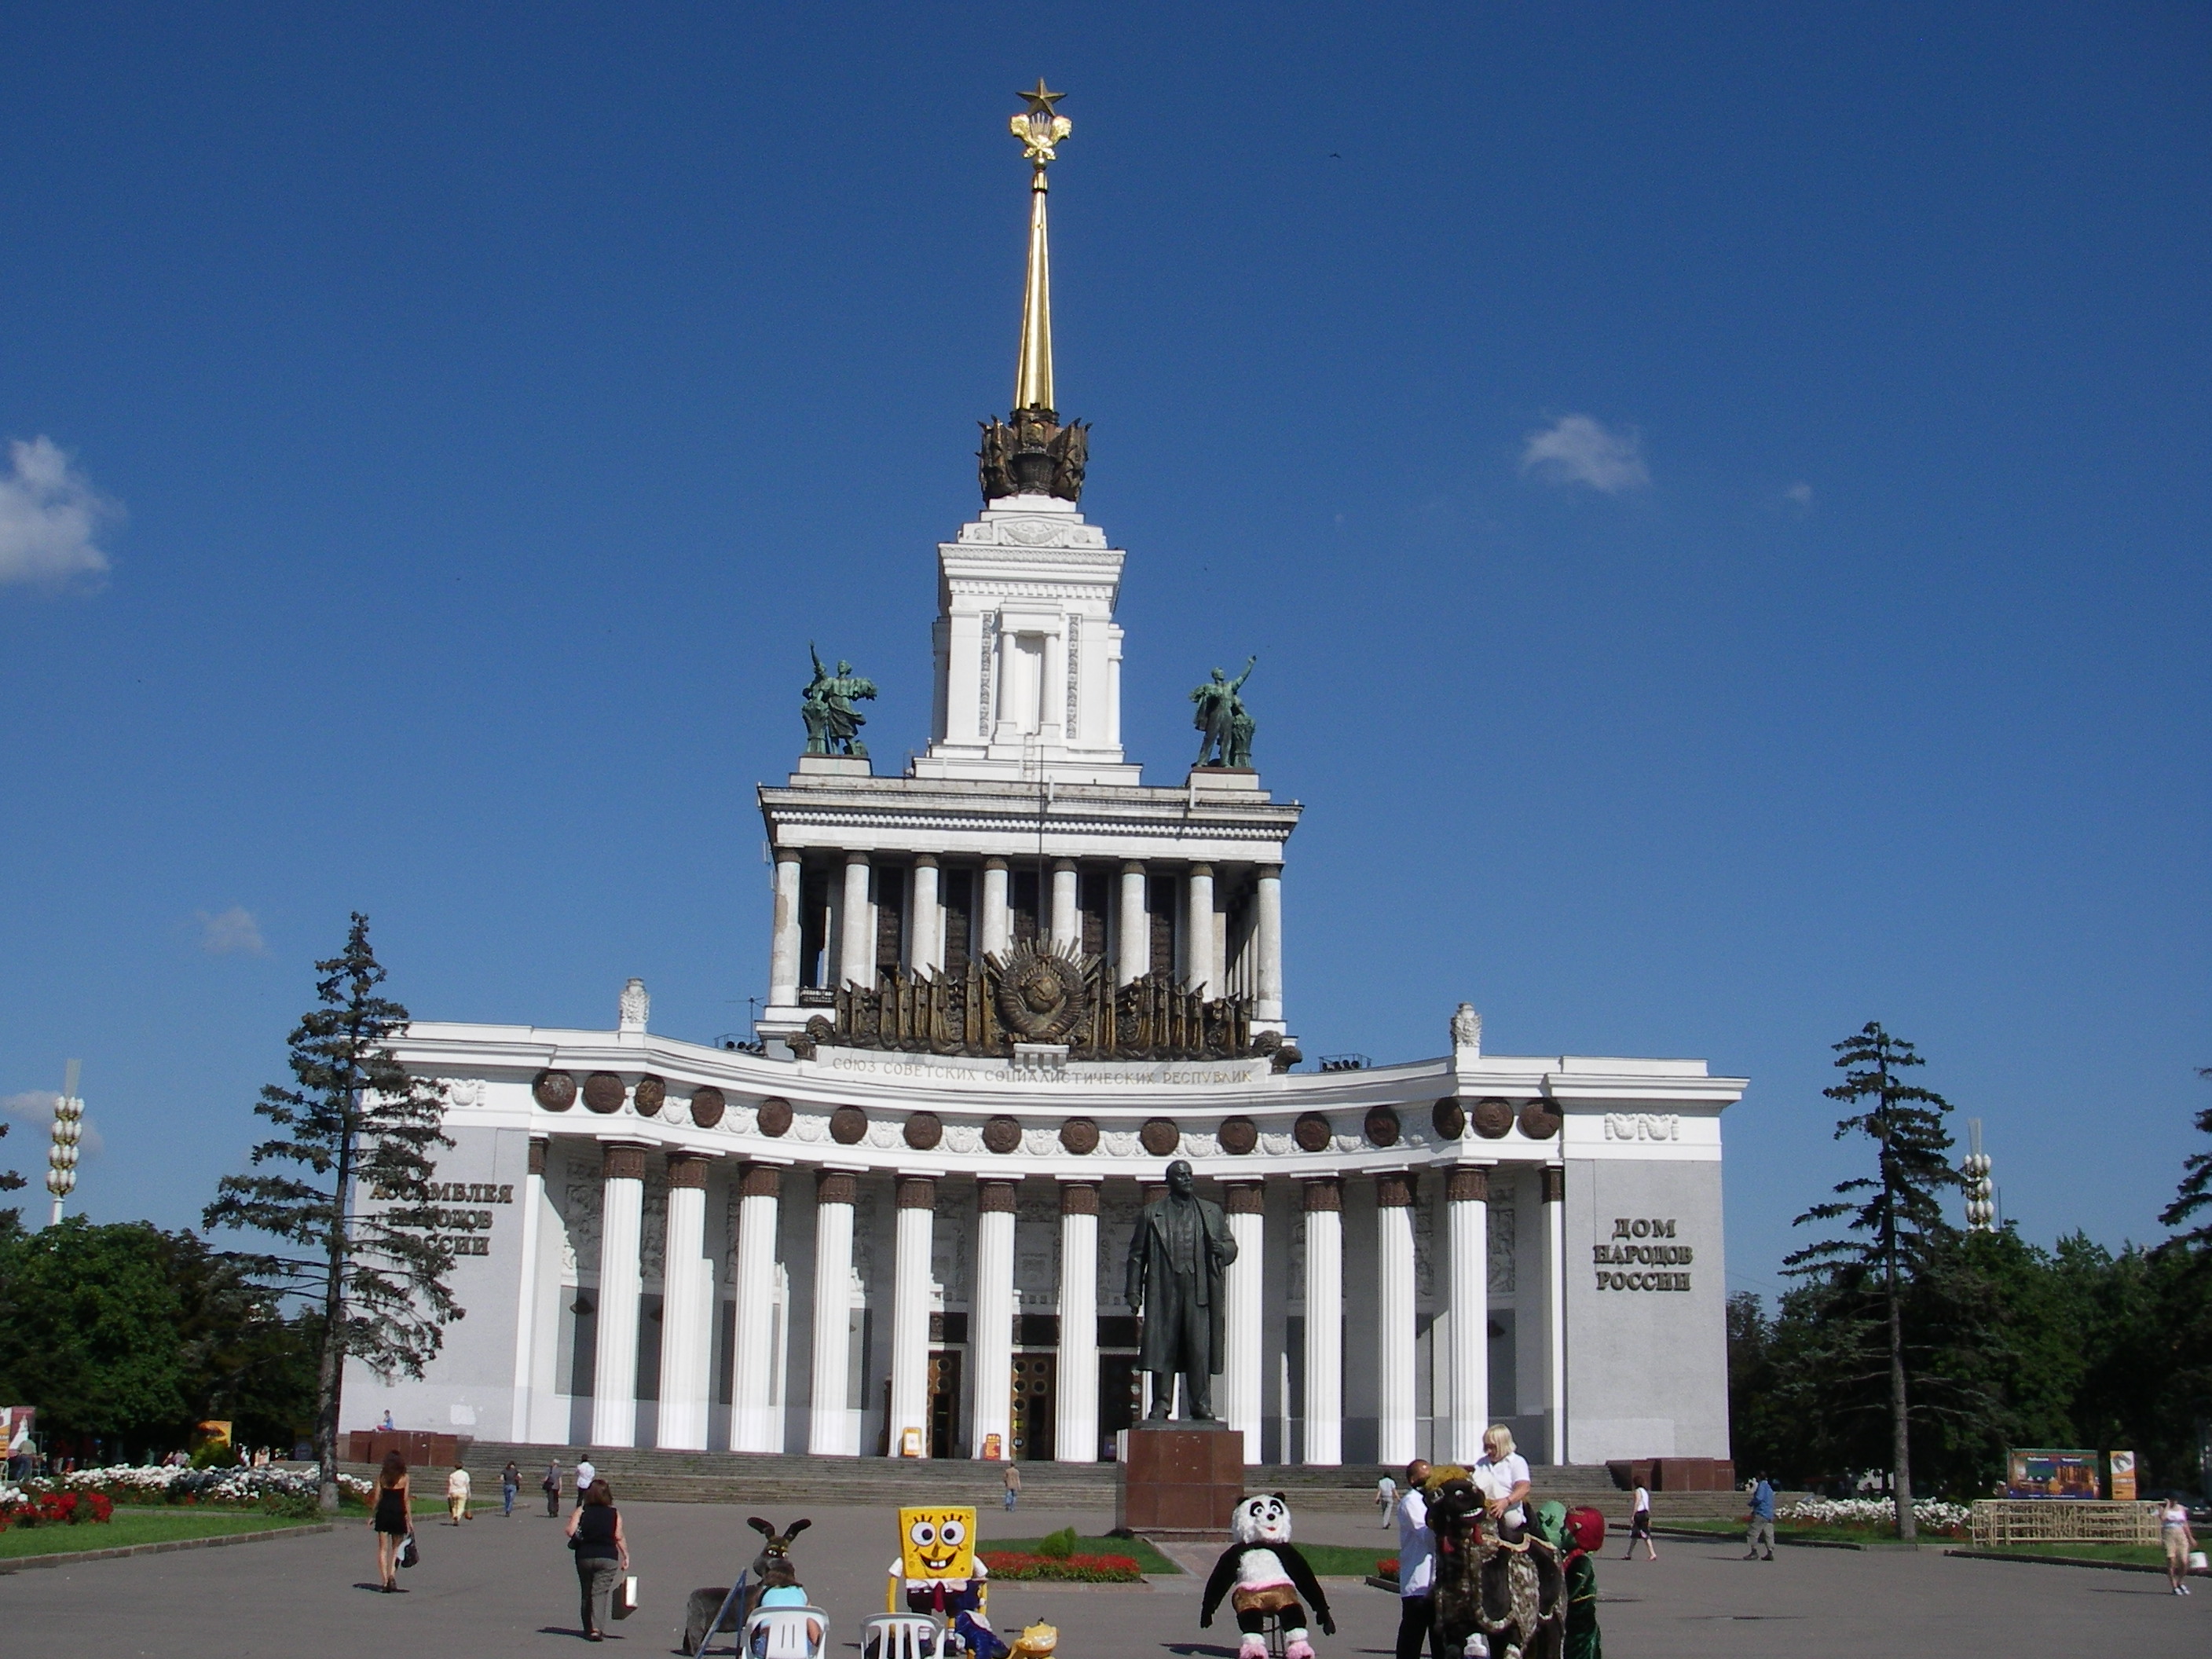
[[1039, 128], [1033, 374]]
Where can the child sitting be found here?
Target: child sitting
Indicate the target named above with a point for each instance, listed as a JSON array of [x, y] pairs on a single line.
[[781, 1588]]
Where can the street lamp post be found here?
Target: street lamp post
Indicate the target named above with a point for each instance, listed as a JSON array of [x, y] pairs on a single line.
[[69, 1129]]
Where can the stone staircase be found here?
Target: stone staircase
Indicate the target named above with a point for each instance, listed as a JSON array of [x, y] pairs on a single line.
[[779, 1480]]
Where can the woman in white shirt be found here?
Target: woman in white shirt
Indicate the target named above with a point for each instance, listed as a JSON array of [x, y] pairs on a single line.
[[2174, 1532], [1501, 1475]]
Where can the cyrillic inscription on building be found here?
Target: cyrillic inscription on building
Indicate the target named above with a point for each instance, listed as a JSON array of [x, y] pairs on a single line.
[[1638, 1243]]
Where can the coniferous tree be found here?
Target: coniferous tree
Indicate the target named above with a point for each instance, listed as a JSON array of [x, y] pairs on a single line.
[[1897, 1214], [361, 1132], [10, 1181]]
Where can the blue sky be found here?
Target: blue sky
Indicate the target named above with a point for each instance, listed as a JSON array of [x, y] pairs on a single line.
[[1719, 496]]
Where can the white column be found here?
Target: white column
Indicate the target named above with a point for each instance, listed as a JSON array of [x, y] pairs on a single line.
[[1245, 1366], [991, 1319], [1066, 920], [1204, 944], [834, 1431], [783, 953], [687, 1309], [924, 916], [614, 1369], [1467, 1204], [526, 1314], [1052, 721], [917, 1201], [997, 930], [753, 1416], [1267, 946], [1133, 927], [856, 962], [1075, 1427], [1394, 1317], [1555, 1310], [1324, 1435]]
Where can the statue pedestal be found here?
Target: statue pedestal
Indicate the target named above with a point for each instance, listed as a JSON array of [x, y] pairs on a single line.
[[1179, 1480]]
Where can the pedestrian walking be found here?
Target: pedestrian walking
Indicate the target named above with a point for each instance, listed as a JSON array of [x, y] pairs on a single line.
[[552, 1488], [1762, 1520], [457, 1496], [1417, 1567], [595, 1534], [510, 1483], [587, 1472], [2173, 1532], [1386, 1500], [1639, 1525], [1013, 1484], [389, 1517]]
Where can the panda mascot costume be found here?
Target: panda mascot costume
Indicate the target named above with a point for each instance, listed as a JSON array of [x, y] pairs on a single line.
[[1261, 1572]]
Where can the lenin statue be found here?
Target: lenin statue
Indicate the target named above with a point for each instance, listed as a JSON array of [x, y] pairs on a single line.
[[1176, 1259]]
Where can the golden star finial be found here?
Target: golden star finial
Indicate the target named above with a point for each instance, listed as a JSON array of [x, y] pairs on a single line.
[[1041, 101]]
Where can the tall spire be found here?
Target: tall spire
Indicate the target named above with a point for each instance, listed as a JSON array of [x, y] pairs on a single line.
[[1031, 453], [1040, 128]]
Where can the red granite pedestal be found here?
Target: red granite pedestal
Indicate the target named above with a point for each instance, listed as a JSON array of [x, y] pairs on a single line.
[[1180, 1481]]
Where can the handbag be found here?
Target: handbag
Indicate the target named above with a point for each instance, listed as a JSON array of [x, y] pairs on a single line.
[[408, 1555], [625, 1597], [2196, 1561]]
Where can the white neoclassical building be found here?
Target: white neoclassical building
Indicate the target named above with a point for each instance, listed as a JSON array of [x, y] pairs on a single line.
[[1006, 989]]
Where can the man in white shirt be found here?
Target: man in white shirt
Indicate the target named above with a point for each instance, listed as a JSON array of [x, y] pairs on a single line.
[[1501, 1475], [457, 1497], [1386, 1499], [1416, 1566], [587, 1472]]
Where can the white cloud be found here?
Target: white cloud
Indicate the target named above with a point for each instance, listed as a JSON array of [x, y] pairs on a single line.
[[48, 518], [235, 933], [1577, 450], [1799, 495], [33, 1112]]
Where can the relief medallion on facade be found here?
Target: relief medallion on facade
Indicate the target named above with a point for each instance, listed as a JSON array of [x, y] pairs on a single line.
[[554, 1091]]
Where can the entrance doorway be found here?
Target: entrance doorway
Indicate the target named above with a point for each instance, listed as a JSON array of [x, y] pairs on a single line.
[[944, 1402], [1121, 1395], [1035, 1376]]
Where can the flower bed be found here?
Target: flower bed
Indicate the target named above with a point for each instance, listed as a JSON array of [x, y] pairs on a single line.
[[1387, 1567], [1929, 1514], [1018, 1566], [279, 1491], [51, 1509]]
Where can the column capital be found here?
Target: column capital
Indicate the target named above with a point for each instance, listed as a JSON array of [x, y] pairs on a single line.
[[1063, 867], [622, 1160], [1324, 1194], [917, 1192], [761, 1181], [1467, 1183], [925, 860], [994, 862], [1079, 1197], [786, 855], [994, 1197], [687, 1170], [1555, 1183], [1394, 1190], [835, 1187], [1197, 870], [538, 1146], [1132, 867], [1244, 1198], [1267, 871], [856, 856]]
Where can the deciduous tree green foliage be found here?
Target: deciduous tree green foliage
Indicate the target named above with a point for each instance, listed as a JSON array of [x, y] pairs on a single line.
[[360, 1132], [133, 1335], [10, 1181]]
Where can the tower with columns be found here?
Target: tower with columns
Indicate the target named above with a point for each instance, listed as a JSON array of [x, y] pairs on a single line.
[[1005, 990]]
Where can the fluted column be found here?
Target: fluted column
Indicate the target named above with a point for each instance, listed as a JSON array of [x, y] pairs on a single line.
[[1467, 1204], [1394, 1316], [1324, 1435], [991, 1319], [752, 1418], [1201, 947], [1555, 1311], [783, 951], [856, 963], [926, 917], [1133, 927], [614, 1366], [687, 1309], [526, 1319], [831, 1432], [1066, 920], [917, 1202], [1267, 946], [1075, 1428], [998, 933], [1245, 1366]]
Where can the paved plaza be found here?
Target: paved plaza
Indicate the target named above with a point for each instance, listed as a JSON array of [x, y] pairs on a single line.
[[499, 1588]]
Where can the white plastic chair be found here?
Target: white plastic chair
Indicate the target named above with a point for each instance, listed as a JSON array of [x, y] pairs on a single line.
[[784, 1633], [902, 1636]]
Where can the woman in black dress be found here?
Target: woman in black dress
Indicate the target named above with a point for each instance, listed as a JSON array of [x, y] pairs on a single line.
[[389, 1516], [595, 1533]]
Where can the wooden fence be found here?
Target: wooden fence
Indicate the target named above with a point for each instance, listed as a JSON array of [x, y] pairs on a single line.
[[2004, 1521]]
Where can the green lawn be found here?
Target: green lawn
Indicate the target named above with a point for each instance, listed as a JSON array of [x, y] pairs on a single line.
[[1343, 1560], [1149, 1560], [2149, 1555], [135, 1526], [1706, 1527]]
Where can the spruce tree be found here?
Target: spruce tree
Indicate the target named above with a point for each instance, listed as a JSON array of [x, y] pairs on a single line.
[[361, 1132], [1897, 1214]]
